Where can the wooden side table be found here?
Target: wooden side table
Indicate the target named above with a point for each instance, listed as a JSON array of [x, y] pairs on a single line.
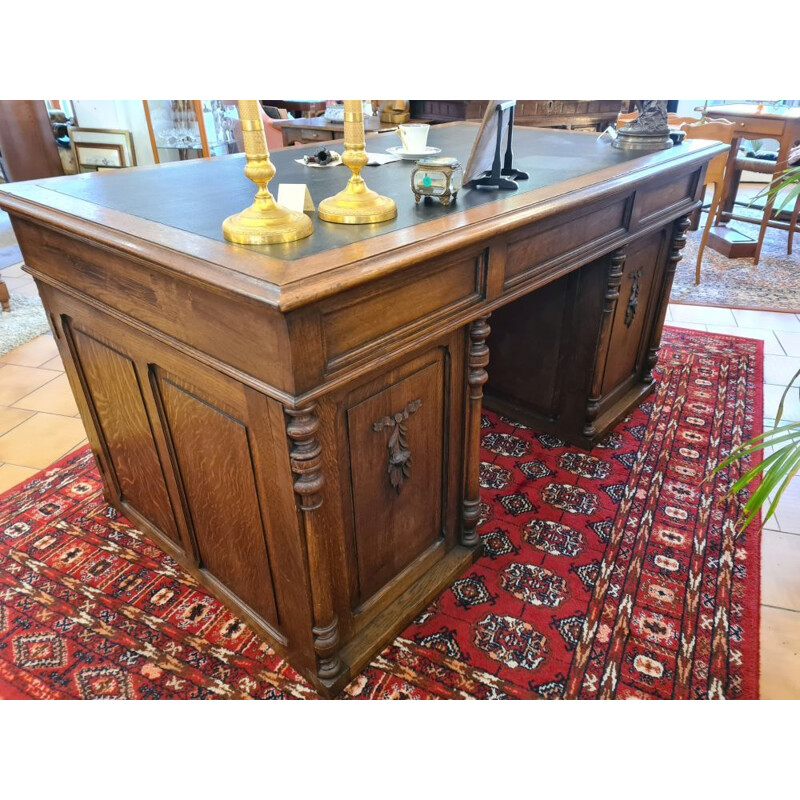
[[782, 124]]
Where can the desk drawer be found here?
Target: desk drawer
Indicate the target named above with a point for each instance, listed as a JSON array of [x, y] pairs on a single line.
[[766, 127], [357, 324], [538, 246], [307, 135]]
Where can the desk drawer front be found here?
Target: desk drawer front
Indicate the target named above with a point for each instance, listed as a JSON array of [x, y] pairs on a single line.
[[367, 318], [539, 246], [309, 135], [765, 127], [661, 198]]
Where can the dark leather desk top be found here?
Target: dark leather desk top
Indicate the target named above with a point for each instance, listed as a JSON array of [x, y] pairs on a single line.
[[172, 214], [196, 196]]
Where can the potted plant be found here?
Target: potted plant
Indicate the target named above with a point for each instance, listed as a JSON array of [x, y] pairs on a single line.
[[778, 468]]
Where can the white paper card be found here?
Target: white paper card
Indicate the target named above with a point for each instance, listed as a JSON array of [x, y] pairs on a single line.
[[295, 196], [377, 159]]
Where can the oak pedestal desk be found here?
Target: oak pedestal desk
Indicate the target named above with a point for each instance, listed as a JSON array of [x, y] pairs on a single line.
[[299, 425]]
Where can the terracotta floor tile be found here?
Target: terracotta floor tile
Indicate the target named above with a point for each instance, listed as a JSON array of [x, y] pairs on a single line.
[[703, 315], [56, 364], [772, 397], [788, 511], [33, 354], [54, 398], [11, 417], [771, 344], [40, 440], [16, 381], [774, 320], [16, 285], [11, 475], [779, 370], [14, 272], [780, 570], [780, 654], [790, 341]]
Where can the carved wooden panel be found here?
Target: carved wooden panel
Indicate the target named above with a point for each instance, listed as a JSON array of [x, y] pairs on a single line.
[[116, 399], [391, 527], [625, 351], [215, 466]]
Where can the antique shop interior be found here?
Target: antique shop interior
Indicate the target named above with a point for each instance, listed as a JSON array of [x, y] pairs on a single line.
[[375, 399]]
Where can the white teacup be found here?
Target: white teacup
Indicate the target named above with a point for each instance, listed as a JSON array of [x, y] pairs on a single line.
[[414, 137]]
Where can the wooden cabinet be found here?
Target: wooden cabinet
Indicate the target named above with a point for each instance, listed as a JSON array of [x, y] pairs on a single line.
[[299, 426], [599, 330]]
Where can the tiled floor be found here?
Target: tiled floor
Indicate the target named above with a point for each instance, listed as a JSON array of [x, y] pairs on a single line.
[[39, 423]]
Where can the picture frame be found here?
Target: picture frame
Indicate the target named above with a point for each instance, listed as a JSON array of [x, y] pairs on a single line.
[[485, 145], [94, 155], [102, 147]]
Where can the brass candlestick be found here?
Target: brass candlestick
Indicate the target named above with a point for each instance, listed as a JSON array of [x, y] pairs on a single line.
[[265, 222], [356, 204]]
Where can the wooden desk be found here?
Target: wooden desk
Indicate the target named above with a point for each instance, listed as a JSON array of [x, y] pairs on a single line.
[[241, 401], [319, 129], [782, 124]]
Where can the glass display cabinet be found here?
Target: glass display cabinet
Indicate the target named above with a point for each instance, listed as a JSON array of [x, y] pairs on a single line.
[[185, 129]]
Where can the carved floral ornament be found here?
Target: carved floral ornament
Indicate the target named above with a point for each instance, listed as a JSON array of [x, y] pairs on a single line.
[[399, 466]]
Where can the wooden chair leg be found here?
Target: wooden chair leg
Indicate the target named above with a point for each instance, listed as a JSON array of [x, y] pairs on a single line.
[[792, 225], [712, 213], [4, 296]]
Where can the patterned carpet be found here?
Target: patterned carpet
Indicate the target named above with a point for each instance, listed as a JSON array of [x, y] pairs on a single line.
[[614, 574], [773, 285]]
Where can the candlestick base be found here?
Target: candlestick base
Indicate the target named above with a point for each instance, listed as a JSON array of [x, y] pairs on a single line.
[[357, 205], [266, 223]]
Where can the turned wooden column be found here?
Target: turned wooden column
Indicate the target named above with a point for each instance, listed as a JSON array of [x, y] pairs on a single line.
[[477, 376], [617, 263], [306, 462], [676, 250]]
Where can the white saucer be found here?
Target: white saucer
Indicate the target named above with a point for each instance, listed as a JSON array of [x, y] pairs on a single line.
[[404, 154]]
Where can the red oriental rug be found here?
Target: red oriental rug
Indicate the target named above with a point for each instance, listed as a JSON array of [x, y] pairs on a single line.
[[611, 574]]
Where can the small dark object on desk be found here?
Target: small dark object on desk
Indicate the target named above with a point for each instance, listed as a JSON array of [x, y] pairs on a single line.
[[677, 136], [322, 157]]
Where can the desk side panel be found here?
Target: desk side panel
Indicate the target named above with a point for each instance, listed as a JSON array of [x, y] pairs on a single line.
[[227, 330]]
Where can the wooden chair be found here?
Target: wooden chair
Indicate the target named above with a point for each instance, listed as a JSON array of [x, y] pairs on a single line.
[[724, 132], [764, 167]]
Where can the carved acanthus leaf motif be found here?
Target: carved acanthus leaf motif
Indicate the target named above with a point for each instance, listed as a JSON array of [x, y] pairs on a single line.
[[399, 467], [633, 300]]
